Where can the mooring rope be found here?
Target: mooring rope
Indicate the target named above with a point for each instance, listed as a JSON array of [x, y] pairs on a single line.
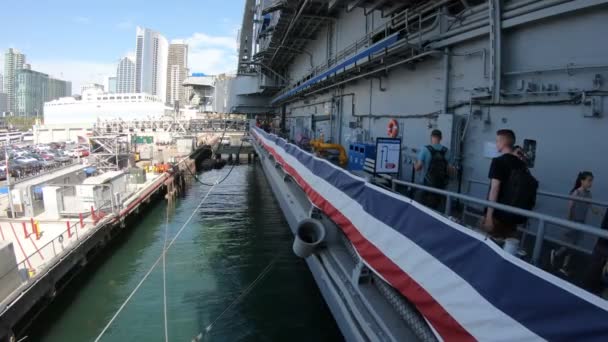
[[165, 275], [229, 171], [143, 279]]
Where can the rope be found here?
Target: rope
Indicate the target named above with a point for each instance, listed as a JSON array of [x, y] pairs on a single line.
[[165, 278], [143, 279], [243, 294], [229, 171]]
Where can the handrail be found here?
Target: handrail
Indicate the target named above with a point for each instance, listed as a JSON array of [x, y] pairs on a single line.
[[554, 195], [542, 218]]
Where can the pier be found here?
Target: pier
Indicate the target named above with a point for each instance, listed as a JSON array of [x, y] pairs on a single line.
[[50, 250]]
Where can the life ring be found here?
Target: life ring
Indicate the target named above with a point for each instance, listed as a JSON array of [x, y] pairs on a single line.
[[393, 128]]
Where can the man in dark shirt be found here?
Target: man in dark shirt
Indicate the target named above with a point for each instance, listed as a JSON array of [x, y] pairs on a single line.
[[499, 223], [594, 278]]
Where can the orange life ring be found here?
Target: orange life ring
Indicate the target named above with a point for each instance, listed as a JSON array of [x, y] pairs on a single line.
[[393, 128]]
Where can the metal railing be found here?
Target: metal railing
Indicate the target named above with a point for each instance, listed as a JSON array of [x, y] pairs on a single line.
[[542, 219], [551, 195], [383, 31], [33, 266]]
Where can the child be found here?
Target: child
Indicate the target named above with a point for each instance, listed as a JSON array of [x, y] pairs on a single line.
[[577, 212]]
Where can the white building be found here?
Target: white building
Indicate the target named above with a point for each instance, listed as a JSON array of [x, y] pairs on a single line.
[[125, 76], [69, 118], [151, 54], [95, 104]]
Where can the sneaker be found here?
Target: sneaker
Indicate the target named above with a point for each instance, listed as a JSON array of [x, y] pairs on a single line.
[[564, 271], [552, 257]]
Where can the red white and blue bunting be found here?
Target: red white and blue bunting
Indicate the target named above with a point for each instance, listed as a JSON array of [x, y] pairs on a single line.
[[465, 286]]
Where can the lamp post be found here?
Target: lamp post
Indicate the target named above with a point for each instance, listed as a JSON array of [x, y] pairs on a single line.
[[8, 178]]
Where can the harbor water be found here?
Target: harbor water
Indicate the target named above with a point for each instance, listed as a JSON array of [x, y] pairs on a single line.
[[234, 235]]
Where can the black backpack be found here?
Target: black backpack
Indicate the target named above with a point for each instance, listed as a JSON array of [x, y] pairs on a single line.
[[519, 191], [437, 174]]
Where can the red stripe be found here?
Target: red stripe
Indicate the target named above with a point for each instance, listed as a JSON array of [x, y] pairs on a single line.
[[141, 198], [37, 250], [2, 233], [21, 247], [445, 325]]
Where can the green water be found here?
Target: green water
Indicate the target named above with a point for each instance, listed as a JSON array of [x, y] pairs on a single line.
[[234, 235]]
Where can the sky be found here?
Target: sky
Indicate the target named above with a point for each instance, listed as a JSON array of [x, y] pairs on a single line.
[[81, 41]]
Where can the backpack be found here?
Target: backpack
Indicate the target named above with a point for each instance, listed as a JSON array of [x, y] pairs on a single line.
[[437, 173], [519, 191]]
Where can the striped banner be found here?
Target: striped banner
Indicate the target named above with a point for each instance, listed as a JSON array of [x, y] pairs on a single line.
[[464, 285]]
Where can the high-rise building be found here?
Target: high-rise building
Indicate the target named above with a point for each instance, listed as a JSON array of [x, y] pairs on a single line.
[[3, 103], [177, 72], [13, 61], [33, 89], [151, 52], [125, 76], [30, 92], [110, 84], [1, 83], [57, 89]]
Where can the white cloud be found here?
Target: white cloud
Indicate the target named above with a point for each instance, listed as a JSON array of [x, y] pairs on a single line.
[[206, 41], [130, 55], [211, 61], [211, 55], [78, 72]]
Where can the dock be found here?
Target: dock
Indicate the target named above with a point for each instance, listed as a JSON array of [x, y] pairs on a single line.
[[51, 247]]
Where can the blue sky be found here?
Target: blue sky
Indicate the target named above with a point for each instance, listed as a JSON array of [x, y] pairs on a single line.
[[82, 40]]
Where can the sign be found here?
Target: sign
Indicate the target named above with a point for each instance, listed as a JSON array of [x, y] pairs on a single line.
[[142, 140], [489, 150], [388, 155]]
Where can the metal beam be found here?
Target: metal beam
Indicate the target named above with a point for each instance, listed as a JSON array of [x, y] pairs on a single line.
[[351, 6], [495, 48], [374, 6]]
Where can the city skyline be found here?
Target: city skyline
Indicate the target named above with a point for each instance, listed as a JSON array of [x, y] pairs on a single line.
[[89, 40]]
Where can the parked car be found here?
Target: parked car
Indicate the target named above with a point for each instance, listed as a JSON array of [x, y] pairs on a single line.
[[48, 156], [26, 160], [78, 152], [15, 169], [61, 157]]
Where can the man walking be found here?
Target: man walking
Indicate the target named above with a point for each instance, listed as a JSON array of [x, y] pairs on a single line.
[[433, 163], [510, 184]]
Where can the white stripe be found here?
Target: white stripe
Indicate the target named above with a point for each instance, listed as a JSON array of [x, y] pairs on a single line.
[[564, 285], [478, 316]]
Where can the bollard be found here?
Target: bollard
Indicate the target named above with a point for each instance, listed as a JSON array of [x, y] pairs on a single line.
[[93, 214], [25, 230], [37, 230], [33, 226], [69, 231], [81, 220]]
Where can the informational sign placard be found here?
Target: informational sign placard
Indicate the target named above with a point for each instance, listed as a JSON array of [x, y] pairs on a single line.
[[388, 155]]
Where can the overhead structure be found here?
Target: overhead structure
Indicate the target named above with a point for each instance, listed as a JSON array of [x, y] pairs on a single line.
[[294, 24], [169, 125], [110, 152]]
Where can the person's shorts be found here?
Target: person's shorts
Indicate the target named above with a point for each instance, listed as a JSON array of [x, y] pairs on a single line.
[[503, 229]]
